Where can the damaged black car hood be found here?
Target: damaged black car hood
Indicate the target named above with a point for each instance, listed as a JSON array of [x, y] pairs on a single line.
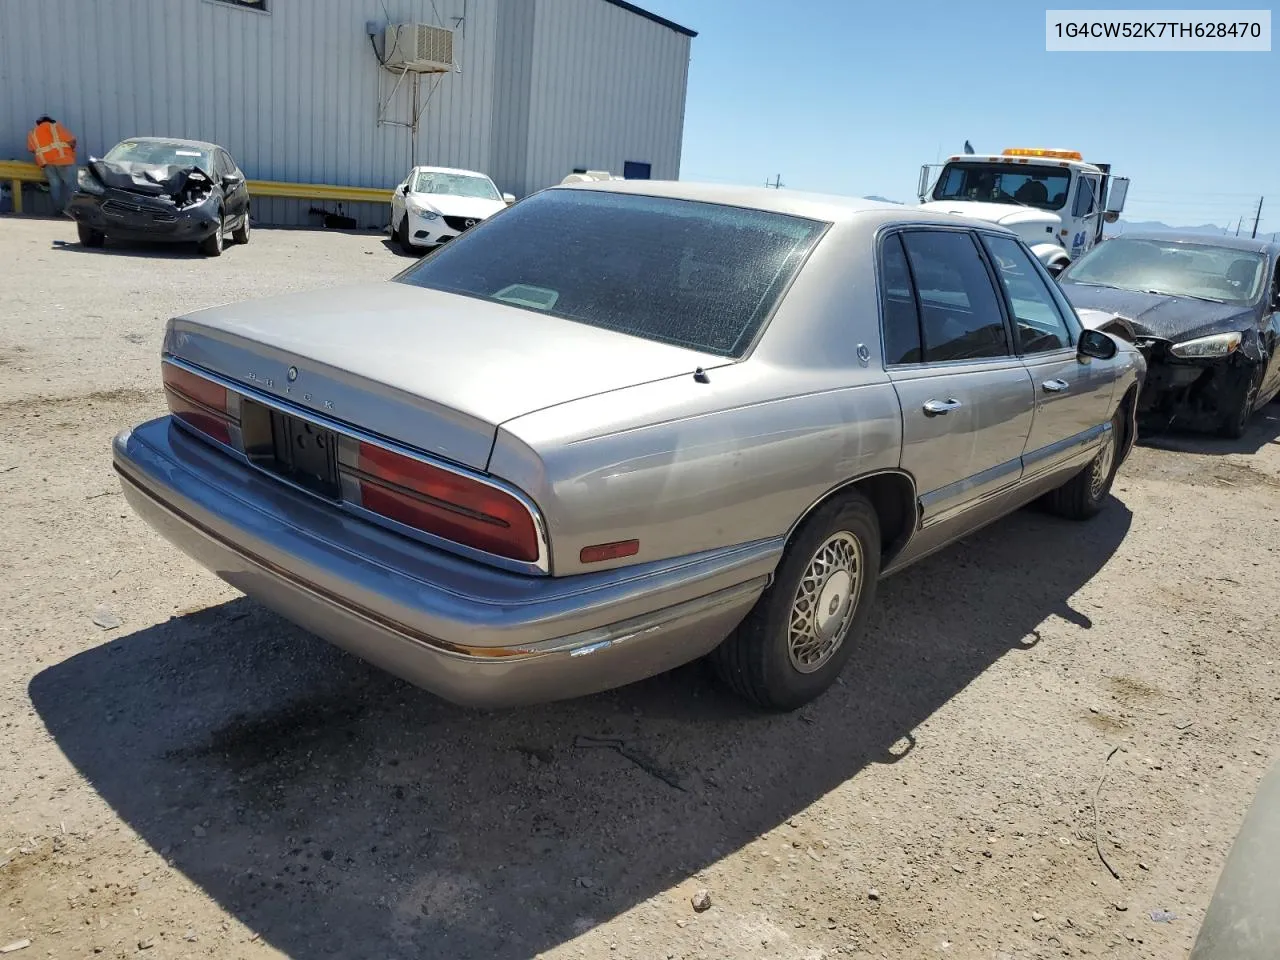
[[181, 184], [1164, 316]]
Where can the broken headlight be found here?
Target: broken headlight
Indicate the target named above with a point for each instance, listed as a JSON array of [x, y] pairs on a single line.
[[1205, 348], [87, 182]]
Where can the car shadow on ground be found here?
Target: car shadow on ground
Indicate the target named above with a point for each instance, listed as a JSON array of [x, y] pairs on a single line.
[[339, 812], [138, 248], [1263, 430]]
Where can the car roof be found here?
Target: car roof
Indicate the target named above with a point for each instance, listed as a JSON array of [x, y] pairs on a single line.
[[468, 173], [200, 144], [1225, 241], [832, 208]]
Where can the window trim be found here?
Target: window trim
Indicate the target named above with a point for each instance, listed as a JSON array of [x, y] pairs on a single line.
[[929, 226], [1045, 279]]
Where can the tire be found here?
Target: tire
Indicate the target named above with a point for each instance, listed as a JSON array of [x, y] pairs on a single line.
[[211, 246], [766, 659], [241, 233], [402, 235], [90, 237], [1235, 423], [1083, 495]]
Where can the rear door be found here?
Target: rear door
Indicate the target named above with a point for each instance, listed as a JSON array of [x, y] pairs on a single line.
[[966, 398], [1073, 394]]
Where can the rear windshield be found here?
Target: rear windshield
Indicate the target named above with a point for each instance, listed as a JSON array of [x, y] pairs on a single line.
[[697, 275]]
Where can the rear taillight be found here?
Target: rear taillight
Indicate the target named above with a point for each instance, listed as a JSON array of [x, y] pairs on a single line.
[[446, 504], [198, 402]]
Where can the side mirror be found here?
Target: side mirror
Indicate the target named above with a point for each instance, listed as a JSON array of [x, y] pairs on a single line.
[[404, 188], [1095, 343], [922, 186], [229, 181], [509, 198], [1056, 267], [1111, 216]]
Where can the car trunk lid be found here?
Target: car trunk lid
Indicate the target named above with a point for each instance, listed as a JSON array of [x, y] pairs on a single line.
[[435, 371]]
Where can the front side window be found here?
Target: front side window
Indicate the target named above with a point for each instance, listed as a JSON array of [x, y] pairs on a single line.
[[1086, 196], [1027, 184], [960, 316], [1038, 324], [1201, 271], [698, 275], [456, 185]]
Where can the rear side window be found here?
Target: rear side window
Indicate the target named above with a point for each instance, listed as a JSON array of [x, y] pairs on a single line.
[[960, 316], [901, 319], [692, 274]]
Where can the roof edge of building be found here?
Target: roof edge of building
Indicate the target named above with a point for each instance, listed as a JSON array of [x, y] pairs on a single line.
[[649, 15]]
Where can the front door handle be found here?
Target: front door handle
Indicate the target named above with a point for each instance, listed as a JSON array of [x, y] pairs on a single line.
[[1055, 386], [936, 408]]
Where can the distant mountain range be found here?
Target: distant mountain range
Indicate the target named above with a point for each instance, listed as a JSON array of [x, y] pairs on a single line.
[[883, 200], [1120, 226]]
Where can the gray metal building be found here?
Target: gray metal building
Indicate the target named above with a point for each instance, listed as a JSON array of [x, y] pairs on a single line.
[[296, 91]]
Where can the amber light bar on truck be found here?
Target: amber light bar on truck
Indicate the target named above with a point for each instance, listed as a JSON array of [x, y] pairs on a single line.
[[198, 402]]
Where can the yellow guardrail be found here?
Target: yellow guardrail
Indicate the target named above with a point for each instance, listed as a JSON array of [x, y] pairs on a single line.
[[17, 171]]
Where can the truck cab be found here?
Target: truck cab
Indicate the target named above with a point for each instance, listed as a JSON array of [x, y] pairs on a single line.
[[1055, 201]]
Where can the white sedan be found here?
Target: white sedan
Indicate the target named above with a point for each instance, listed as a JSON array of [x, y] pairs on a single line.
[[435, 204]]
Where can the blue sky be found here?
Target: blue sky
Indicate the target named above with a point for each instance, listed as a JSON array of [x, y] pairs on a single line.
[[850, 97]]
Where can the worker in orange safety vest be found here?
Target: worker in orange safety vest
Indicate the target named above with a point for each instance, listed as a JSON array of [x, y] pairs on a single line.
[[55, 151]]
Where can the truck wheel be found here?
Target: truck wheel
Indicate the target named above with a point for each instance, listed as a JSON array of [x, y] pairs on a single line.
[[803, 629], [1083, 495], [90, 237]]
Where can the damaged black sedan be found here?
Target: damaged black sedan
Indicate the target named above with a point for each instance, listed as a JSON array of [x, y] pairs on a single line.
[[154, 188], [1205, 312]]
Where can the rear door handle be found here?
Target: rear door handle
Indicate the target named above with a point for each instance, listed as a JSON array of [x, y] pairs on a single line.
[[936, 408], [1056, 386]]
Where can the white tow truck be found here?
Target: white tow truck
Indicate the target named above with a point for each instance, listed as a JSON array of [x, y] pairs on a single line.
[[1052, 199]]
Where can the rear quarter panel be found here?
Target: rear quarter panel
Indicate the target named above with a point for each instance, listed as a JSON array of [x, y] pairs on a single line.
[[684, 466]]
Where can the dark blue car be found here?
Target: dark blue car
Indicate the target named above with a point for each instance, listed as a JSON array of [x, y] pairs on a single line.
[[1205, 312]]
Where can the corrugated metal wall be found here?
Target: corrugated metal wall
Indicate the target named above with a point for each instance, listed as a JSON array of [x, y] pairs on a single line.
[[293, 93], [606, 86]]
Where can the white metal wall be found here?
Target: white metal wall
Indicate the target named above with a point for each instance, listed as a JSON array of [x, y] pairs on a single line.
[[545, 85]]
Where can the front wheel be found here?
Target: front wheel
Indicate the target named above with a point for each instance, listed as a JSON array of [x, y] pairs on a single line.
[[211, 246], [402, 235], [241, 233], [797, 638], [90, 237], [1083, 495], [1236, 421]]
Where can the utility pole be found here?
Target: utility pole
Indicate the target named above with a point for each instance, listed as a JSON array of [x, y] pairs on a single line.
[[776, 184], [1238, 223], [1257, 218]]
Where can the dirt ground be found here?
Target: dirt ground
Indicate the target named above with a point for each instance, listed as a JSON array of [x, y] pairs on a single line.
[[192, 776]]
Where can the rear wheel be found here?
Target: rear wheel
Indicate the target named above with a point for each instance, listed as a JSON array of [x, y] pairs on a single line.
[[90, 237], [803, 629], [211, 246], [1083, 495], [1236, 421], [241, 233]]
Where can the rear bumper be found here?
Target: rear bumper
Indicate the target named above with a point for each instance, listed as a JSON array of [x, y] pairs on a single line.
[[471, 634]]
